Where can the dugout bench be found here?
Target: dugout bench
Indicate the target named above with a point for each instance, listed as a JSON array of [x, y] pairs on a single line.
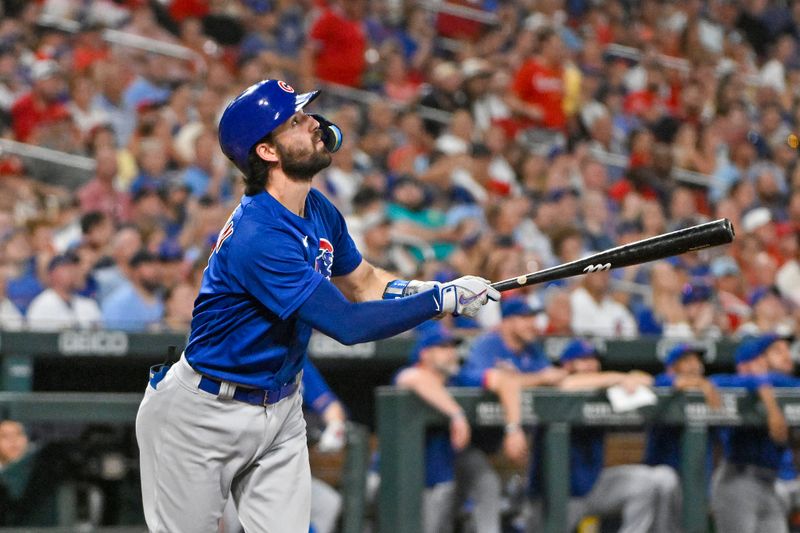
[[403, 418]]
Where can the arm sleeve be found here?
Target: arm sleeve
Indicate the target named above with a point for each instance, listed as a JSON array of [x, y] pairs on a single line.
[[316, 392], [327, 310]]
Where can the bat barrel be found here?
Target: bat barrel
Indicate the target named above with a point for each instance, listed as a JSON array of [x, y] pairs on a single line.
[[677, 242]]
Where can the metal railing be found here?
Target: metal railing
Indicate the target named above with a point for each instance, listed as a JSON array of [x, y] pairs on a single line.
[[465, 12]]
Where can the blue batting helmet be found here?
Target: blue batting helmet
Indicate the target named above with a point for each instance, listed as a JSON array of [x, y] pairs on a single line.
[[253, 114]]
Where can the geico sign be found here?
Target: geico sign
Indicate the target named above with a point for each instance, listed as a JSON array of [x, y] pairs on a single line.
[[93, 343]]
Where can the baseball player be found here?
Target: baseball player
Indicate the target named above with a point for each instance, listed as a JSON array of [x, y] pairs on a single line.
[[743, 497], [326, 502], [683, 370], [226, 419], [434, 361], [642, 494]]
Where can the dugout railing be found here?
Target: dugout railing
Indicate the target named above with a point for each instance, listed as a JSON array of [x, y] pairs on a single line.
[[403, 418]]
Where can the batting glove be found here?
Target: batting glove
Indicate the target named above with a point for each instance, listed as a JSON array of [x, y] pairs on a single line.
[[465, 295], [333, 438], [400, 288]]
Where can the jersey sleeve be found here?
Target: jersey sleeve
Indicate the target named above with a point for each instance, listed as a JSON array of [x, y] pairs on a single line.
[[316, 392], [271, 266]]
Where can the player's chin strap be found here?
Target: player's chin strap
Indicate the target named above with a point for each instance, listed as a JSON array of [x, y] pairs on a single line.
[[331, 133], [400, 287]]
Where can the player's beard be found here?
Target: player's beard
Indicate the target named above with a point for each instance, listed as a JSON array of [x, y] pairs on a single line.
[[302, 164]]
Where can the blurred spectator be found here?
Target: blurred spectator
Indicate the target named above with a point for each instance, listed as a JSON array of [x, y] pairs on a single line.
[[337, 44], [153, 160], [378, 249], [701, 310], [643, 495], [24, 282], [42, 103], [59, 307], [770, 314], [10, 317], [149, 86], [557, 317], [208, 173], [666, 316], [729, 285], [594, 312], [411, 216], [100, 193], [787, 279], [136, 305], [178, 306], [443, 93], [537, 95], [114, 273], [85, 112], [452, 470]]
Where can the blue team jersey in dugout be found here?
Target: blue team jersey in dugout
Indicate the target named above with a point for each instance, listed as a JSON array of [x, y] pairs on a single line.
[[266, 262]]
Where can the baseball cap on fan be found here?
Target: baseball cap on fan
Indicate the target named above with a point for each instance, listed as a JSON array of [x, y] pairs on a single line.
[[255, 113]]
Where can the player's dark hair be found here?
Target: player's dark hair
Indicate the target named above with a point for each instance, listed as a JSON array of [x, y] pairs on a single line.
[[257, 169]]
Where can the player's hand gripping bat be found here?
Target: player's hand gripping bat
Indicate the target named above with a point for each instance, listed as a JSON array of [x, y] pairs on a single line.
[[651, 249]]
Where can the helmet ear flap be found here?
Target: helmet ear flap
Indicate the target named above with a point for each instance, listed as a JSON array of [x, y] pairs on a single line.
[[331, 133]]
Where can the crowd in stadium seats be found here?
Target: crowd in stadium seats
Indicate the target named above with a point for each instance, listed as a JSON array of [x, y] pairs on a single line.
[[548, 131], [524, 134]]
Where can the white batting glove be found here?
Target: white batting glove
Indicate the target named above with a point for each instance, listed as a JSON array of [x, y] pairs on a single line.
[[465, 295], [333, 438]]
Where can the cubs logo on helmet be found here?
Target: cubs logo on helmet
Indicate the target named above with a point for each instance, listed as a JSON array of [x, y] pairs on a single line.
[[324, 260], [285, 86]]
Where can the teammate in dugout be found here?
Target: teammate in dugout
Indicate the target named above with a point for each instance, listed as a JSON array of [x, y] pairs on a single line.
[[226, 420], [643, 495], [744, 498]]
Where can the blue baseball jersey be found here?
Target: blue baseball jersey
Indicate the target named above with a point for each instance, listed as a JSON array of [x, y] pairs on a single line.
[[489, 351], [265, 264], [663, 445], [751, 446]]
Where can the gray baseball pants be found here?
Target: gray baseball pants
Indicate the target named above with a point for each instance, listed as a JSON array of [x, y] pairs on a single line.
[[645, 496], [744, 500], [476, 479], [197, 449]]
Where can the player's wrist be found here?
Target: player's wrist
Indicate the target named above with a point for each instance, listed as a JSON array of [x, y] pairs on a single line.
[[395, 289], [512, 427], [400, 288]]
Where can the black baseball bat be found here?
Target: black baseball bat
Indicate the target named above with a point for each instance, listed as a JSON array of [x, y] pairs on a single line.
[[673, 243]]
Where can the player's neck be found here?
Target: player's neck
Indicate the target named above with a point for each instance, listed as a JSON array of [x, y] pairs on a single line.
[[291, 193]]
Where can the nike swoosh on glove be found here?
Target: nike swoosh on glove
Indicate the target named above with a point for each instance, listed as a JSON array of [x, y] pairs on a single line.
[[465, 295]]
